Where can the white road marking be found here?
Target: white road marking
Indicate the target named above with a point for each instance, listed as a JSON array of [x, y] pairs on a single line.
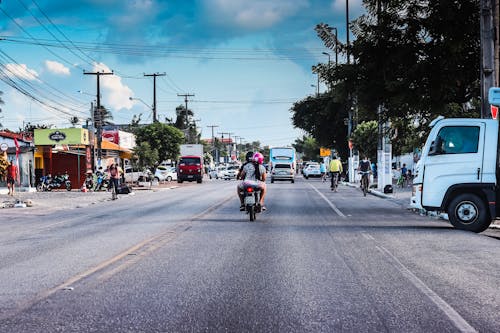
[[332, 206], [460, 323]]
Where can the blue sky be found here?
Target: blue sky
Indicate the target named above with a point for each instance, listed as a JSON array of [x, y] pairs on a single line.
[[246, 61]]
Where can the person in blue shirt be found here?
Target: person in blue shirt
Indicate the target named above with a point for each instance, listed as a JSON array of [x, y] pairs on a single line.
[[322, 169]]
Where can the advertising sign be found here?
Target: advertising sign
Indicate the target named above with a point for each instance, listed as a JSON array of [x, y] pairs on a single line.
[[63, 136]]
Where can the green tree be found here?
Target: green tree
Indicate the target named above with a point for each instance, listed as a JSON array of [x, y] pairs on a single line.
[[161, 137], [364, 139], [416, 60], [146, 156], [308, 147], [323, 119]]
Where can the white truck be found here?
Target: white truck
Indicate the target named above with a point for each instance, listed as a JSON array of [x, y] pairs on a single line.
[[459, 172]]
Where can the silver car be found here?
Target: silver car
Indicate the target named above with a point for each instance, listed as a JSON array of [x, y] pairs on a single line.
[[283, 171]]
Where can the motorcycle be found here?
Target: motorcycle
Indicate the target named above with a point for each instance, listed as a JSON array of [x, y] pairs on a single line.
[[251, 199], [44, 184], [89, 181], [102, 181], [61, 180]]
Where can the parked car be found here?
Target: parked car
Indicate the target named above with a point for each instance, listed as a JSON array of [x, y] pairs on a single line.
[[167, 173], [312, 170], [133, 174], [283, 171]]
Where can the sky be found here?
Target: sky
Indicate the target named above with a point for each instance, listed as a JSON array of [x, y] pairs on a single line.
[[245, 61]]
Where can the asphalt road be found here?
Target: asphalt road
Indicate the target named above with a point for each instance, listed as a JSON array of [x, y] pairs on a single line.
[[186, 260]]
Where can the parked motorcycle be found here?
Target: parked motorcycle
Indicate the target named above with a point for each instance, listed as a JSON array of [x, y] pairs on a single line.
[[44, 184], [251, 199], [60, 181], [89, 181], [101, 182]]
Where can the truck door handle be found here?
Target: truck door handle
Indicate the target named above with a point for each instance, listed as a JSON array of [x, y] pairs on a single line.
[[478, 173]]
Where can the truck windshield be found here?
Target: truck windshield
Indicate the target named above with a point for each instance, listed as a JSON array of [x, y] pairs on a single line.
[[190, 161]]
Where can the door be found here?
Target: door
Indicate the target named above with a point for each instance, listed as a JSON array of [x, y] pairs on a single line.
[[457, 158]]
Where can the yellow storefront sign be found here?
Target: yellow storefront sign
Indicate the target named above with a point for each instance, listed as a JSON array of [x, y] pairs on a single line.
[[63, 136], [324, 152]]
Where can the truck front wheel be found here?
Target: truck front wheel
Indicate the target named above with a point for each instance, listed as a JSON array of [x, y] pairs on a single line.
[[469, 212]]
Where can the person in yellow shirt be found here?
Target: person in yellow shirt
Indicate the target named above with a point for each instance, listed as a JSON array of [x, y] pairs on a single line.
[[335, 169]]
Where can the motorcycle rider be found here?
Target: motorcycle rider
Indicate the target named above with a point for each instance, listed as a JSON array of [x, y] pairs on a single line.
[[252, 170]]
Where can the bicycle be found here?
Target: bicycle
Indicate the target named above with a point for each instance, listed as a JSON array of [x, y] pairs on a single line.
[[365, 181], [335, 181], [401, 181]]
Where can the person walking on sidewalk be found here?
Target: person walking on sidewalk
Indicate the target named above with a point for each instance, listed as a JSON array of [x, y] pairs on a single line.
[[335, 169], [322, 169], [11, 178]]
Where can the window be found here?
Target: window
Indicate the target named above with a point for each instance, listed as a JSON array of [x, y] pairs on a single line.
[[190, 161], [457, 140]]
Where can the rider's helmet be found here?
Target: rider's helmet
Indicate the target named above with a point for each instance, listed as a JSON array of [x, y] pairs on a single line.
[[249, 156], [258, 157]]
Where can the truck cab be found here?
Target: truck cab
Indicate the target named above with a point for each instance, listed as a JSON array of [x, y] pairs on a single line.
[[457, 172], [190, 168]]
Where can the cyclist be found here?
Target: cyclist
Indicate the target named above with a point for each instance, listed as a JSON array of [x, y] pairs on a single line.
[[365, 168], [335, 169]]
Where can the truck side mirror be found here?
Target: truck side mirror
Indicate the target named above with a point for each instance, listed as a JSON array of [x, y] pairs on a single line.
[[494, 96]]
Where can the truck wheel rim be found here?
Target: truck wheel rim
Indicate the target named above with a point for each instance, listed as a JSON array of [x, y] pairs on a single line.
[[467, 212]]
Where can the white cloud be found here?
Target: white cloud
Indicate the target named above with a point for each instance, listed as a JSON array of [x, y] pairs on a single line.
[[256, 14], [21, 71], [56, 68], [116, 94]]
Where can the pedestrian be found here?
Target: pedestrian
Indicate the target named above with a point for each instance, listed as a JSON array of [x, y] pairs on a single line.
[[11, 178], [322, 169], [114, 176]]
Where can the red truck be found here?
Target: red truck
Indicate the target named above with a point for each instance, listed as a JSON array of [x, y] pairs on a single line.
[[190, 166]]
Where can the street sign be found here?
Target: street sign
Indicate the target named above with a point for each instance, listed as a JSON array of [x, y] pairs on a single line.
[[324, 152], [494, 111]]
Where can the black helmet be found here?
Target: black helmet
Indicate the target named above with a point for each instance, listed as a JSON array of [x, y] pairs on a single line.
[[249, 156]]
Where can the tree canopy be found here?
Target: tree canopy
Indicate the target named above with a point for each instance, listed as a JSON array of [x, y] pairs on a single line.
[[162, 138], [412, 60]]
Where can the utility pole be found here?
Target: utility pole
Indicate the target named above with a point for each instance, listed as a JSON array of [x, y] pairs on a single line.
[[213, 141], [98, 113], [487, 54], [154, 75], [186, 104]]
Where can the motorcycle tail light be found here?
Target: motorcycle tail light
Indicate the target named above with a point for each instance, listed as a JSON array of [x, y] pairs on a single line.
[[249, 190]]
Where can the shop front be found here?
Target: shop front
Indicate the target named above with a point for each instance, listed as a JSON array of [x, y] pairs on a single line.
[[60, 151]]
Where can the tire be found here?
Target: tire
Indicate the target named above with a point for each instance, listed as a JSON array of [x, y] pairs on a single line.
[[179, 181], [251, 212], [293, 181], [169, 178], [39, 188], [272, 180], [468, 212], [68, 187], [199, 181], [157, 179], [306, 177]]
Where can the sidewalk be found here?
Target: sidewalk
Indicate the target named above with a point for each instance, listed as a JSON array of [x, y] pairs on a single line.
[[403, 197]]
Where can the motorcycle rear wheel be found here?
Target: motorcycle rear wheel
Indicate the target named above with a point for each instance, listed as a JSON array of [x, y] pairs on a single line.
[[251, 212]]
